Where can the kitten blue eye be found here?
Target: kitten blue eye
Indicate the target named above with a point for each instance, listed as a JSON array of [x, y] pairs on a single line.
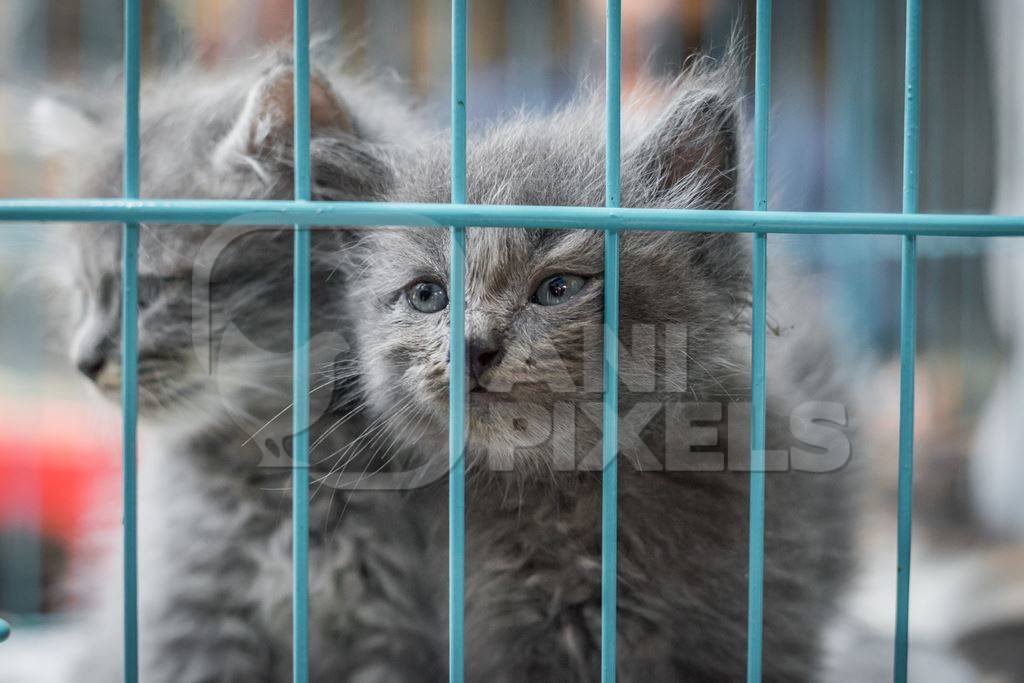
[[427, 297], [558, 289]]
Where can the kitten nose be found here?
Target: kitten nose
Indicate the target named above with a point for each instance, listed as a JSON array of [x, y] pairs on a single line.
[[91, 365], [482, 357]]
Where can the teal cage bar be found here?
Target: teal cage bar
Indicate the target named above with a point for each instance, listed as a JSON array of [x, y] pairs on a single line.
[[759, 287], [457, 216], [908, 333], [300, 356], [129, 335], [457, 351], [610, 340]]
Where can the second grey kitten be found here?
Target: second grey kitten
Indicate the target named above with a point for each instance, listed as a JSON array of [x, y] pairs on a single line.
[[533, 328]]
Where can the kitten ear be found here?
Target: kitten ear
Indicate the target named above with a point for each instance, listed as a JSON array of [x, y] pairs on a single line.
[[265, 125], [691, 152], [58, 128]]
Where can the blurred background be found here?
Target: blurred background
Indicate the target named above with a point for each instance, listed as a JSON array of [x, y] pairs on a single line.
[[836, 145]]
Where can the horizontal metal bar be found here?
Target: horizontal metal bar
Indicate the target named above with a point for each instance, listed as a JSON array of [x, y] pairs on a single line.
[[282, 212]]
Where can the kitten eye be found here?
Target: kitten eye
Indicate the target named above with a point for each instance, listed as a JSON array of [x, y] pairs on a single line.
[[152, 287], [427, 297], [149, 287], [558, 289]]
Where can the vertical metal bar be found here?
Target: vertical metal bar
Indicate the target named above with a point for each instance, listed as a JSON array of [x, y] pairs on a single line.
[[609, 424], [130, 336], [457, 365], [300, 359], [755, 587], [908, 332]]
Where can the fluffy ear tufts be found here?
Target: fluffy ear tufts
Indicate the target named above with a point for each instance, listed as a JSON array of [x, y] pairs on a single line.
[[691, 153], [266, 123]]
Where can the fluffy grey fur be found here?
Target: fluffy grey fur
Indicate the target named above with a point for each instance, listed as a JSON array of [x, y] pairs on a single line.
[[215, 538], [214, 371], [533, 528]]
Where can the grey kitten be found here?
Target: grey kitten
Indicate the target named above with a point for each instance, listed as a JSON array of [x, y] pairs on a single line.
[[533, 319], [215, 377]]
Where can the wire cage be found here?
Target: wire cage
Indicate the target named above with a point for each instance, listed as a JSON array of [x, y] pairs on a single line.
[[456, 216]]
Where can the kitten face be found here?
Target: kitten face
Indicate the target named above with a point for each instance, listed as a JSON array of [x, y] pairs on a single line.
[[214, 317], [215, 302], [96, 318], [534, 300], [525, 344], [533, 334]]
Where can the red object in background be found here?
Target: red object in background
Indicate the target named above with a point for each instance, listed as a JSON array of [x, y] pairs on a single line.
[[54, 459]]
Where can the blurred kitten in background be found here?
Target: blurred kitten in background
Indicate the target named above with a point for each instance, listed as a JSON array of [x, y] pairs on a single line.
[[215, 341]]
